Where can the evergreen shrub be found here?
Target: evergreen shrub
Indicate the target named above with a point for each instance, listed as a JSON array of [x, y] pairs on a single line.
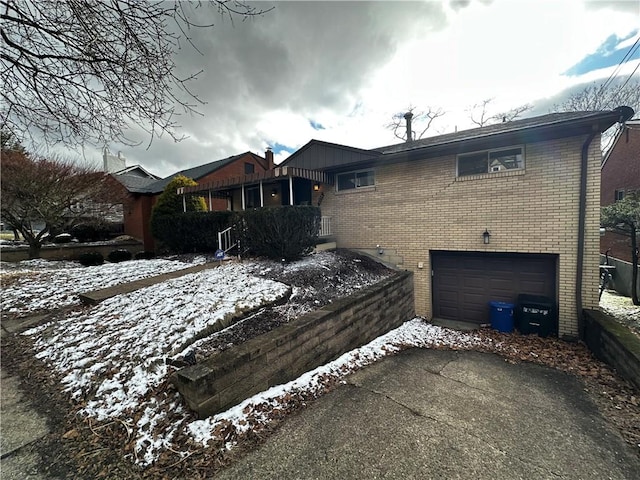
[[91, 259], [119, 255], [281, 233], [191, 231]]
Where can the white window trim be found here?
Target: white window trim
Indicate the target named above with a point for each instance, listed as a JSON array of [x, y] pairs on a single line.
[[356, 189], [489, 151]]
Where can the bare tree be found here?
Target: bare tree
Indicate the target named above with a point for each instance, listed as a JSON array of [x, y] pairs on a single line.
[[603, 96], [479, 113], [422, 119], [44, 191], [83, 70]]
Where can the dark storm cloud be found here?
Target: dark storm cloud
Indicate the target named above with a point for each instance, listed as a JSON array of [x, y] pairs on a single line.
[[300, 57]]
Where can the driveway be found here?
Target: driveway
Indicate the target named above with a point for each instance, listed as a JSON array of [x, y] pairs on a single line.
[[442, 414]]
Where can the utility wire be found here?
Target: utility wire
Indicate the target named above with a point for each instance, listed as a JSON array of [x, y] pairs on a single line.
[[613, 75]]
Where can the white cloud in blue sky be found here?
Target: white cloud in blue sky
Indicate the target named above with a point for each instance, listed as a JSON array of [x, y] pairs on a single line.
[[609, 54]]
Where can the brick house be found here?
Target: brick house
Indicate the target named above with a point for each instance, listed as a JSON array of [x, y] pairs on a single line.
[[144, 191], [477, 215], [620, 174]]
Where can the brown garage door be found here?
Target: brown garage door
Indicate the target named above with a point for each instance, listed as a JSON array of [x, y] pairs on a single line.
[[465, 282]]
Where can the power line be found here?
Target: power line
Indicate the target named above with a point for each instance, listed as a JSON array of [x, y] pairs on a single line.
[[613, 75]]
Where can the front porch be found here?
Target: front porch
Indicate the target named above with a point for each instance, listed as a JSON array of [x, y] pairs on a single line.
[[281, 186]]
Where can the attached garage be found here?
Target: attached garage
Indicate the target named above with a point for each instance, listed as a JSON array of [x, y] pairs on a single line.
[[465, 282]]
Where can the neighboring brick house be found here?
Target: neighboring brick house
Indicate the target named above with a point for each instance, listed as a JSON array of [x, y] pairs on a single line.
[[620, 174], [144, 191], [477, 215]]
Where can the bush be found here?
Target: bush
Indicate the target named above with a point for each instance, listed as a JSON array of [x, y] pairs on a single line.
[[190, 232], [281, 232], [90, 232], [91, 259], [120, 255], [145, 255]]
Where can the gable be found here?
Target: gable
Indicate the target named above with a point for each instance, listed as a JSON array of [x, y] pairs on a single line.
[[317, 155]]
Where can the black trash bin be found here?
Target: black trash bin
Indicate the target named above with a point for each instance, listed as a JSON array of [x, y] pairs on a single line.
[[536, 314]]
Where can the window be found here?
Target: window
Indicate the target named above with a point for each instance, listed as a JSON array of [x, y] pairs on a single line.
[[249, 168], [252, 197], [491, 161], [355, 180], [619, 195]]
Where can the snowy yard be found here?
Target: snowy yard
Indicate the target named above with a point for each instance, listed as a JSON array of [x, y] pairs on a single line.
[[112, 357], [39, 285]]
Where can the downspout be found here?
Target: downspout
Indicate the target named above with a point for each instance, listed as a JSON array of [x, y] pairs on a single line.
[[582, 213]]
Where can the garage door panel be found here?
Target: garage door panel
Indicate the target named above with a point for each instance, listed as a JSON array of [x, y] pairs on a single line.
[[465, 282]]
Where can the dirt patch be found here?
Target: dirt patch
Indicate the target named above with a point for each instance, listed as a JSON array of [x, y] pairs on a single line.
[[314, 283]]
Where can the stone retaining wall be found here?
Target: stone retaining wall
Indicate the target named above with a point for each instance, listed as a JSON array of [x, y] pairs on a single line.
[[285, 353], [614, 344], [68, 251]]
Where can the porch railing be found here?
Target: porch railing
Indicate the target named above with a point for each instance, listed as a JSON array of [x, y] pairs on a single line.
[[325, 227]]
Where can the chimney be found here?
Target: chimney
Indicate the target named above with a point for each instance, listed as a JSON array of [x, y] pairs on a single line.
[[408, 116], [268, 155]]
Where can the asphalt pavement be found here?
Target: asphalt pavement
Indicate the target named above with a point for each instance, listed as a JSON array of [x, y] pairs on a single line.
[[427, 414]]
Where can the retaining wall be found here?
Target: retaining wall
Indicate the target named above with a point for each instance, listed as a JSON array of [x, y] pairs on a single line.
[[614, 344], [288, 351], [621, 276], [68, 251]]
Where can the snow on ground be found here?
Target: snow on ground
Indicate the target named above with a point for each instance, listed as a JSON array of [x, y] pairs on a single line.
[[621, 308], [112, 357], [35, 285]]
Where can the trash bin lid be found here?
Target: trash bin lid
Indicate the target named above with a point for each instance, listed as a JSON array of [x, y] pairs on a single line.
[[497, 304]]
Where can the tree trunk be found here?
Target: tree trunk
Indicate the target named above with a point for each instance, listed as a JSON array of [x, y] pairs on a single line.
[[634, 266], [34, 250]]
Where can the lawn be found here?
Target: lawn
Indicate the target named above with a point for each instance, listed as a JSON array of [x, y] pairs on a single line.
[[112, 361]]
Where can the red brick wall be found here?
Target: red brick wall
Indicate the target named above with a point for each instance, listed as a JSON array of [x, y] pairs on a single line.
[[621, 171], [137, 213]]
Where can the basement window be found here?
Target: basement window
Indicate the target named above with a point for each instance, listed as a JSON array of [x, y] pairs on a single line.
[[355, 180], [491, 161]]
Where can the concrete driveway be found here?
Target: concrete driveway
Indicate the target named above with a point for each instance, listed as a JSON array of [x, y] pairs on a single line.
[[440, 414]]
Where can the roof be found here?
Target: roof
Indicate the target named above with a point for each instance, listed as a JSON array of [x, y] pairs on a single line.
[[555, 120], [317, 154], [628, 125], [134, 183], [195, 173], [544, 127], [137, 170]]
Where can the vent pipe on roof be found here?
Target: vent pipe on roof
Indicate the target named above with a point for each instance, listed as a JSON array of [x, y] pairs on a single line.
[[408, 116]]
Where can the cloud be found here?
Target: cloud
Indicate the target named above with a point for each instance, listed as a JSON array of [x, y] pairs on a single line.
[[275, 79]]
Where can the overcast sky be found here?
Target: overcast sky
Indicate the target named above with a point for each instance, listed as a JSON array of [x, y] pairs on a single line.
[[338, 71]]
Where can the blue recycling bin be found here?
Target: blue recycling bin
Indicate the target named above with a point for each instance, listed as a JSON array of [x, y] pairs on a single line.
[[501, 314]]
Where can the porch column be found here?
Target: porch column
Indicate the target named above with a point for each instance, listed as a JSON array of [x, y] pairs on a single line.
[[290, 190], [184, 203], [210, 207], [242, 193], [261, 195]]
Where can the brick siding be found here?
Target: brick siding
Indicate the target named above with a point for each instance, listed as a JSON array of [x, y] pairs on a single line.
[[418, 207]]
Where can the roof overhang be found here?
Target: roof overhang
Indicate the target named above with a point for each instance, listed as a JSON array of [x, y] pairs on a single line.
[[278, 173]]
